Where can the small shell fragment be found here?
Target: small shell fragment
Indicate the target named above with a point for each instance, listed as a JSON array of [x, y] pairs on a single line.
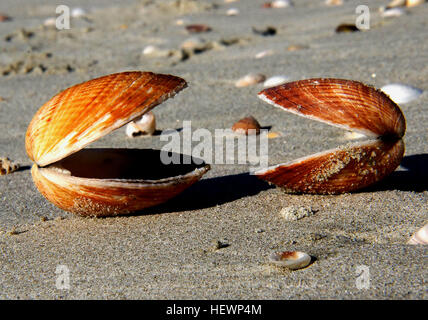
[[420, 237], [401, 93], [7, 166], [49, 22], [414, 3], [250, 79], [291, 259], [396, 3], [232, 12], [144, 125], [334, 2], [275, 81], [264, 53], [4, 18], [392, 12], [198, 28], [78, 12], [244, 126], [278, 4]]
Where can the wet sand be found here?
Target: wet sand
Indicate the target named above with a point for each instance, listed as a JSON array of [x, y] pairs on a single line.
[[171, 252]]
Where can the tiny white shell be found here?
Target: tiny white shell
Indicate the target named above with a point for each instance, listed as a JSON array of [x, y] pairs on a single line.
[[145, 125], [290, 259], [250, 79], [49, 22], [414, 3], [149, 49], [78, 12], [393, 12], [232, 12], [334, 2], [420, 237], [264, 53], [396, 3], [401, 93], [281, 3], [275, 81]]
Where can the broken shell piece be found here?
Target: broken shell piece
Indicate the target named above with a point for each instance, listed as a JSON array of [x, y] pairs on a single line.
[[250, 79], [396, 3], [414, 3], [104, 182], [264, 53], [334, 2], [401, 93], [49, 22], [4, 18], [232, 12], [275, 81], [279, 4], [7, 166], [420, 237], [198, 28], [144, 125], [350, 105], [296, 47], [248, 125], [291, 259], [393, 12], [78, 12]]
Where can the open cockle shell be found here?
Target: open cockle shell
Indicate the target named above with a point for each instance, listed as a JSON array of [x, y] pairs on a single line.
[[350, 105], [103, 182]]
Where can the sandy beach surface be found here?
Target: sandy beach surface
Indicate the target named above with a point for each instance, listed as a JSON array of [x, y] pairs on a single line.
[[172, 251]]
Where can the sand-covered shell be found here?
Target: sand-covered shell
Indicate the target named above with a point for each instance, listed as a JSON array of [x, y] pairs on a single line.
[[350, 105], [291, 259], [102, 182], [401, 93]]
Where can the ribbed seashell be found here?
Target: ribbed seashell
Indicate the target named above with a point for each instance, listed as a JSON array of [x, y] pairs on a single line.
[[350, 105], [291, 259], [144, 125], [275, 81], [401, 93], [103, 182], [250, 79], [420, 237], [7, 166]]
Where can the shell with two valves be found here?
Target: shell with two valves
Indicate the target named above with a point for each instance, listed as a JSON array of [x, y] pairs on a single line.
[[104, 182]]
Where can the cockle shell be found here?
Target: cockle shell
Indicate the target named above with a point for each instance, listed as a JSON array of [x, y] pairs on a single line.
[[350, 105], [401, 93], [291, 259], [420, 237], [103, 182]]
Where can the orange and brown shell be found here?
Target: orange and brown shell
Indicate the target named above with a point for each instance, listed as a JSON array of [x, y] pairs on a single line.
[[350, 105], [102, 182]]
